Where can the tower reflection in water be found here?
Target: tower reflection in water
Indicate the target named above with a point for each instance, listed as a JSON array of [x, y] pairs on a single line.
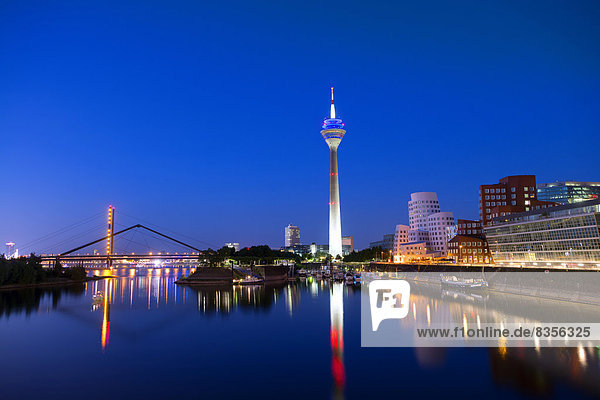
[[336, 310], [537, 370]]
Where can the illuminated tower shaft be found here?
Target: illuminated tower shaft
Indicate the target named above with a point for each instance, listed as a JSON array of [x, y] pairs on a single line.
[[333, 132]]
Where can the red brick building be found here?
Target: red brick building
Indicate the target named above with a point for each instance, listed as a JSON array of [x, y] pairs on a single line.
[[469, 250], [513, 194], [469, 227]]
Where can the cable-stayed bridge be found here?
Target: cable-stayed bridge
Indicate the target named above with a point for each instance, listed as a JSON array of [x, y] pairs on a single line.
[[137, 244]]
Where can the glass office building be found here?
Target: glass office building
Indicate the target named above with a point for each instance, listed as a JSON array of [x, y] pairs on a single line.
[[568, 192], [565, 236]]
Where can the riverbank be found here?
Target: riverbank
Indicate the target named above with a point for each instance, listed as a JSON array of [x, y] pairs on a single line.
[[391, 267], [224, 275], [57, 282]]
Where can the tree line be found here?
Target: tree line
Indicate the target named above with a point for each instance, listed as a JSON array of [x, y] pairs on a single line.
[[29, 270], [248, 255], [365, 255]]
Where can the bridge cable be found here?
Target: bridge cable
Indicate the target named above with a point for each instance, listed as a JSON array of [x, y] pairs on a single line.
[[67, 240], [167, 229], [156, 236], [60, 231]]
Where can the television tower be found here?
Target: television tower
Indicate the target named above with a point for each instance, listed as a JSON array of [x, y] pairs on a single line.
[[333, 132]]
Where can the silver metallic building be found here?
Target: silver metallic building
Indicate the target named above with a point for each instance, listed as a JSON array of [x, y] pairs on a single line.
[[565, 236], [568, 192]]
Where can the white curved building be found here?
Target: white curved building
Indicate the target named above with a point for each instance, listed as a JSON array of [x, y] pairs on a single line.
[[421, 205], [438, 225], [427, 223]]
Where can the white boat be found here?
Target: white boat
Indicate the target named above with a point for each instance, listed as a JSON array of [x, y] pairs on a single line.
[[464, 283], [97, 300], [248, 280]]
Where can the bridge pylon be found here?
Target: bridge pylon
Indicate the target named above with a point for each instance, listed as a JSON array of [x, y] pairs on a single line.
[[110, 235]]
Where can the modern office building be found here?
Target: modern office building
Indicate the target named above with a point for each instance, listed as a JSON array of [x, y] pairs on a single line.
[[300, 249], [324, 248], [469, 250], [333, 132], [348, 242], [568, 192], [561, 236], [386, 244], [512, 194], [233, 245], [9, 250], [291, 236], [428, 224]]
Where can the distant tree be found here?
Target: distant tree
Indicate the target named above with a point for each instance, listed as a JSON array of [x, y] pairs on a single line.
[[58, 269], [22, 270], [75, 273], [364, 255]]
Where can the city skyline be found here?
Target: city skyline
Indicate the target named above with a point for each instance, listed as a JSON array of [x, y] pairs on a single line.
[[195, 99], [175, 202]]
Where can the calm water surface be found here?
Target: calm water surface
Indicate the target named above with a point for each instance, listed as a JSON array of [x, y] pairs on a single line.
[[152, 339]]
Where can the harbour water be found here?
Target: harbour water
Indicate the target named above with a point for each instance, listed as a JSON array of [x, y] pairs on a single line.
[[141, 336]]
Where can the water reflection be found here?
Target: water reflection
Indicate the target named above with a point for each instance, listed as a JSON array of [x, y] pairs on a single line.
[[432, 306], [222, 299], [336, 310], [31, 300], [108, 284], [536, 372], [142, 307]]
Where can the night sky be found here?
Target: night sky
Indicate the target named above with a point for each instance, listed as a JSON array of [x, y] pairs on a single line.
[[204, 117]]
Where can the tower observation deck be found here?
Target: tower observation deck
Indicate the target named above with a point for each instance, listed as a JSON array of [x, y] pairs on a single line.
[[333, 132]]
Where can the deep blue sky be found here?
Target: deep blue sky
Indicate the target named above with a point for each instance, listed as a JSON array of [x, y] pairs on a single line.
[[204, 116]]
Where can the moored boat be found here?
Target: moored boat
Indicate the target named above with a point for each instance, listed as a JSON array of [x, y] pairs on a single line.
[[249, 280], [464, 283]]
